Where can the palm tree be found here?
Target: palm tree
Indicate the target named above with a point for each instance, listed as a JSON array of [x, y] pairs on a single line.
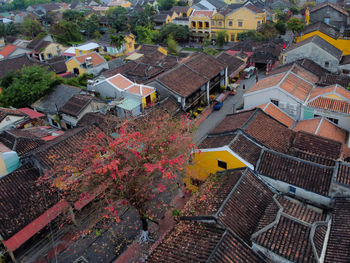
[[117, 41]]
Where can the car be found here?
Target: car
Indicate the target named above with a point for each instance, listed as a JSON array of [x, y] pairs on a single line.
[[248, 72]]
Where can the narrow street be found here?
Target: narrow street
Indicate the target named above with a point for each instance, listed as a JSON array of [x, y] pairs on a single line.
[[230, 103]]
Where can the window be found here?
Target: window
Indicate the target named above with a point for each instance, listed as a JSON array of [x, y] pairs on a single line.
[[220, 23], [333, 120], [81, 52], [259, 23], [316, 116], [222, 164], [230, 23], [326, 64], [213, 23], [346, 72], [240, 23], [233, 37], [206, 24], [292, 190], [274, 102]]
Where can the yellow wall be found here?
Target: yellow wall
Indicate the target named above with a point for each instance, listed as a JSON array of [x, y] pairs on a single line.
[[200, 24], [83, 52], [153, 99], [230, 22], [53, 49], [206, 163], [71, 64], [341, 44]]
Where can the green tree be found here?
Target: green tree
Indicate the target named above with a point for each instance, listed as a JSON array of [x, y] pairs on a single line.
[[295, 10], [91, 25], [118, 19], [173, 47], [118, 41], [67, 33], [221, 38], [31, 27], [165, 4], [281, 27], [295, 24], [8, 30], [268, 31], [146, 35], [179, 32], [142, 18], [26, 86]]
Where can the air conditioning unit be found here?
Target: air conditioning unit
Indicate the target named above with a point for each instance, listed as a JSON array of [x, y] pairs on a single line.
[[88, 61], [283, 104]]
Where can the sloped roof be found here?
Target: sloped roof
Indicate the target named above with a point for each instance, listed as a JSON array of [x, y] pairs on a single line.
[[328, 4], [7, 50], [76, 104], [322, 127], [4, 112], [338, 249], [253, 8], [96, 58], [323, 28], [205, 13], [306, 175], [232, 62], [277, 113], [321, 43]]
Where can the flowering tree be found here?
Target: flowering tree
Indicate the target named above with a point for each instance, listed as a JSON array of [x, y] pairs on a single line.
[[143, 158]]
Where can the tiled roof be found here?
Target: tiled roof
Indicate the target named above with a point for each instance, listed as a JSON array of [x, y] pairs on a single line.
[[312, 67], [267, 82], [235, 197], [140, 90], [304, 72], [205, 13], [4, 112], [320, 42], [120, 81], [96, 58], [216, 140], [338, 248], [277, 113], [333, 89], [199, 243], [322, 127], [312, 157], [330, 104], [317, 145], [58, 64], [233, 62], [253, 8], [7, 50], [246, 149], [343, 175], [76, 104], [22, 200], [330, 79], [21, 144], [205, 65], [263, 128], [182, 80], [325, 4], [106, 122], [311, 177], [296, 86], [323, 28]]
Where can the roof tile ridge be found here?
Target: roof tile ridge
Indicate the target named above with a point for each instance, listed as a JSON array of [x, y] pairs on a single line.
[[245, 124], [319, 125], [312, 233], [274, 222]]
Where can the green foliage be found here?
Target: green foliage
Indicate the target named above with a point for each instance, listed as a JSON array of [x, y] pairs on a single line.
[[146, 35], [91, 25], [295, 24], [8, 30], [118, 19], [67, 33], [180, 33], [172, 45], [206, 43], [176, 212], [118, 40], [143, 18], [165, 4], [295, 10], [281, 27], [282, 16], [26, 86], [268, 30], [31, 28], [221, 38], [210, 51], [80, 81]]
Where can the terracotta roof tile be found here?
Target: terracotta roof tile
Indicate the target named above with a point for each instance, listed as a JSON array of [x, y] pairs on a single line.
[[267, 82], [140, 90], [216, 140], [202, 13], [7, 50], [311, 177], [343, 175], [232, 122], [277, 113], [338, 248], [76, 104], [4, 112], [325, 4], [96, 58], [330, 104], [296, 86], [246, 149], [120, 81]]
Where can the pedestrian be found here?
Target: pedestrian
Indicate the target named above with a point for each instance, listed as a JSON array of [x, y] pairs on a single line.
[[243, 86], [256, 78]]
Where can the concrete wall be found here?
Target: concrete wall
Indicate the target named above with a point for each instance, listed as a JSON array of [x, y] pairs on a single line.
[[97, 70], [314, 53], [254, 99], [301, 193], [336, 18]]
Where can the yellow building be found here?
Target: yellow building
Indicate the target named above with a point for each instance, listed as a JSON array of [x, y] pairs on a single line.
[[329, 34], [91, 63], [239, 20], [200, 24], [52, 50], [87, 48], [211, 160], [127, 47]]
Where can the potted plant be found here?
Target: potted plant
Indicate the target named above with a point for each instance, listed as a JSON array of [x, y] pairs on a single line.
[[200, 109], [222, 88]]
